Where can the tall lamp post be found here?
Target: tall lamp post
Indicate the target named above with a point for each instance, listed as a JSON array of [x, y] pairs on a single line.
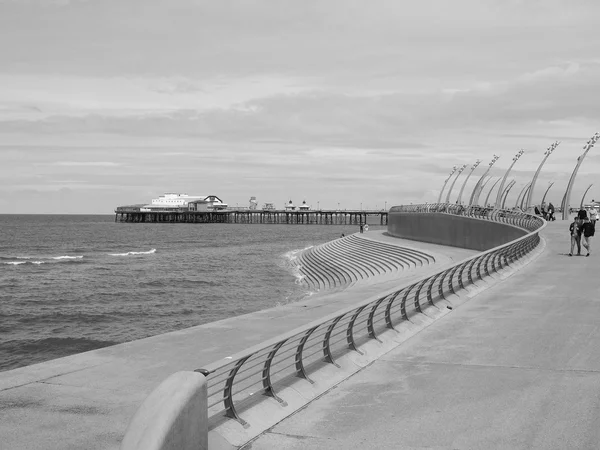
[[487, 199], [584, 194], [501, 188], [474, 200], [567, 197], [454, 182], [459, 200], [546, 193], [506, 191], [547, 153], [522, 194], [524, 197], [454, 169]]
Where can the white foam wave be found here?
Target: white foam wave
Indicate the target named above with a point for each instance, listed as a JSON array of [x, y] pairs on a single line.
[[18, 263], [292, 255], [149, 252], [67, 257]]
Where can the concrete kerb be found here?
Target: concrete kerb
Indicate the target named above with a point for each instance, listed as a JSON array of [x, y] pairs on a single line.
[[298, 393]]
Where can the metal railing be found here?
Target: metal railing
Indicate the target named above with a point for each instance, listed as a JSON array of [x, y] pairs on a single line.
[[235, 381]]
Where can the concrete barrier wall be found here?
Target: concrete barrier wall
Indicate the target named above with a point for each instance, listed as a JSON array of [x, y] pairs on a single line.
[[173, 417], [447, 229]]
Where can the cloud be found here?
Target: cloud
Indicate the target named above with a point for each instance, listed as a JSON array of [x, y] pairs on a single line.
[[85, 164]]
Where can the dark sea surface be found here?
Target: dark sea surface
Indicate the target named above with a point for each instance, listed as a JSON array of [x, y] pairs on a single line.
[[69, 284]]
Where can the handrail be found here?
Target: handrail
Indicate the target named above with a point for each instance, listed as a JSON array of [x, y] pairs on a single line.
[[294, 353]]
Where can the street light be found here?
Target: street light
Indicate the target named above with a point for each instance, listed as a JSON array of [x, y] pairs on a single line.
[[459, 200], [454, 169], [567, 197], [547, 153], [501, 188], [474, 200], [453, 182]]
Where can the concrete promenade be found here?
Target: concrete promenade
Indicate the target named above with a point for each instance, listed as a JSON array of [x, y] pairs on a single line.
[[515, 367], [85, 401]]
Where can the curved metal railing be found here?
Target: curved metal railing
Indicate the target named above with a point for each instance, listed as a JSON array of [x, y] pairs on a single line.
[[234, 381]]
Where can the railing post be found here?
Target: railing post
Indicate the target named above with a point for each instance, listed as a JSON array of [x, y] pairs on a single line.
[[266, 374], [417, 293], [349, 330], [300, 371], [228, 393], [370, 327], [403, 303], [441, 285], [430, 288], [326, 348], [388, 309]]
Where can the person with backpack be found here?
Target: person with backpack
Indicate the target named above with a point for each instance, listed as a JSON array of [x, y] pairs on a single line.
[[588, 230]]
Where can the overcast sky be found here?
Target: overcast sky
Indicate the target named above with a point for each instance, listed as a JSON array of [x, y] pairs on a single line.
[[114, 102]]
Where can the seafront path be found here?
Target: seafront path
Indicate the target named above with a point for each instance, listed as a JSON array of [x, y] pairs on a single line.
[[515, 367], [85, 401]]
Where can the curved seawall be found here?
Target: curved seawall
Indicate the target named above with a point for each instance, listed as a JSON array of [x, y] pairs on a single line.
[[446, 229]]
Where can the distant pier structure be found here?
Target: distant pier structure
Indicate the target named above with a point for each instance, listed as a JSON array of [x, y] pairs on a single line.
[[138, 214]]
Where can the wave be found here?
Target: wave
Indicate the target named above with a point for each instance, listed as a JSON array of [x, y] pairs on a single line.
[[292, 255], [149, 252], [37, 260]]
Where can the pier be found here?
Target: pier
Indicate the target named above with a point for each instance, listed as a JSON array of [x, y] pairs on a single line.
[[248, 216]]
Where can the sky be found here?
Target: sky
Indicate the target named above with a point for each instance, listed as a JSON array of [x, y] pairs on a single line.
[[339, 103]]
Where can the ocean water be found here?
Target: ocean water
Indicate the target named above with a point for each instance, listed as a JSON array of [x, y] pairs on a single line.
[[70, 284]]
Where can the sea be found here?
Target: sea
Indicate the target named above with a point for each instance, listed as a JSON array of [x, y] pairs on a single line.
[[73, 283]]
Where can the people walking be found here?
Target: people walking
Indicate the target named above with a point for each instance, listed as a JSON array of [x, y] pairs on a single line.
[[551, 212], [588, 230], [575, 231]]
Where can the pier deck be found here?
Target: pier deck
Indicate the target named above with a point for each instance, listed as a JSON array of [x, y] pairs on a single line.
[[317, 217]]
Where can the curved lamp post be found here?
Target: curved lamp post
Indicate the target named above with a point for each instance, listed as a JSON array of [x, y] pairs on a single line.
[[584, 194], [525, 197], [454, 169], [459, 200], [479, 186], [522, 194], [506, 191], [547, 153], [567, 197], [487, 199], [500, 189], [546, 193], [452, 185]]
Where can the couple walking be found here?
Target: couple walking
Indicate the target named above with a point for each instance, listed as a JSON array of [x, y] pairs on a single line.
[[581, 227]]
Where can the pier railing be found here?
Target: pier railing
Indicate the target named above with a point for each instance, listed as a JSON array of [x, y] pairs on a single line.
[[234, 382]]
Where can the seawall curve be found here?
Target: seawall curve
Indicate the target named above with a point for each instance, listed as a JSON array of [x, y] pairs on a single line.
[[433, 224]]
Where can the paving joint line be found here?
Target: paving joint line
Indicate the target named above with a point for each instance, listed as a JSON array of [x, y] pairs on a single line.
[[498, 366]]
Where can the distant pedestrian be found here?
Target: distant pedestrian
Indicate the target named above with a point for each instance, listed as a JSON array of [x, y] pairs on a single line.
[[582, 214], [361, 227], [551, 212], [588, 230], [343, 235], [575, 231]]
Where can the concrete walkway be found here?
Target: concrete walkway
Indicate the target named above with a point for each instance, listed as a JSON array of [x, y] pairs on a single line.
[[516, 367], [85, 401]]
